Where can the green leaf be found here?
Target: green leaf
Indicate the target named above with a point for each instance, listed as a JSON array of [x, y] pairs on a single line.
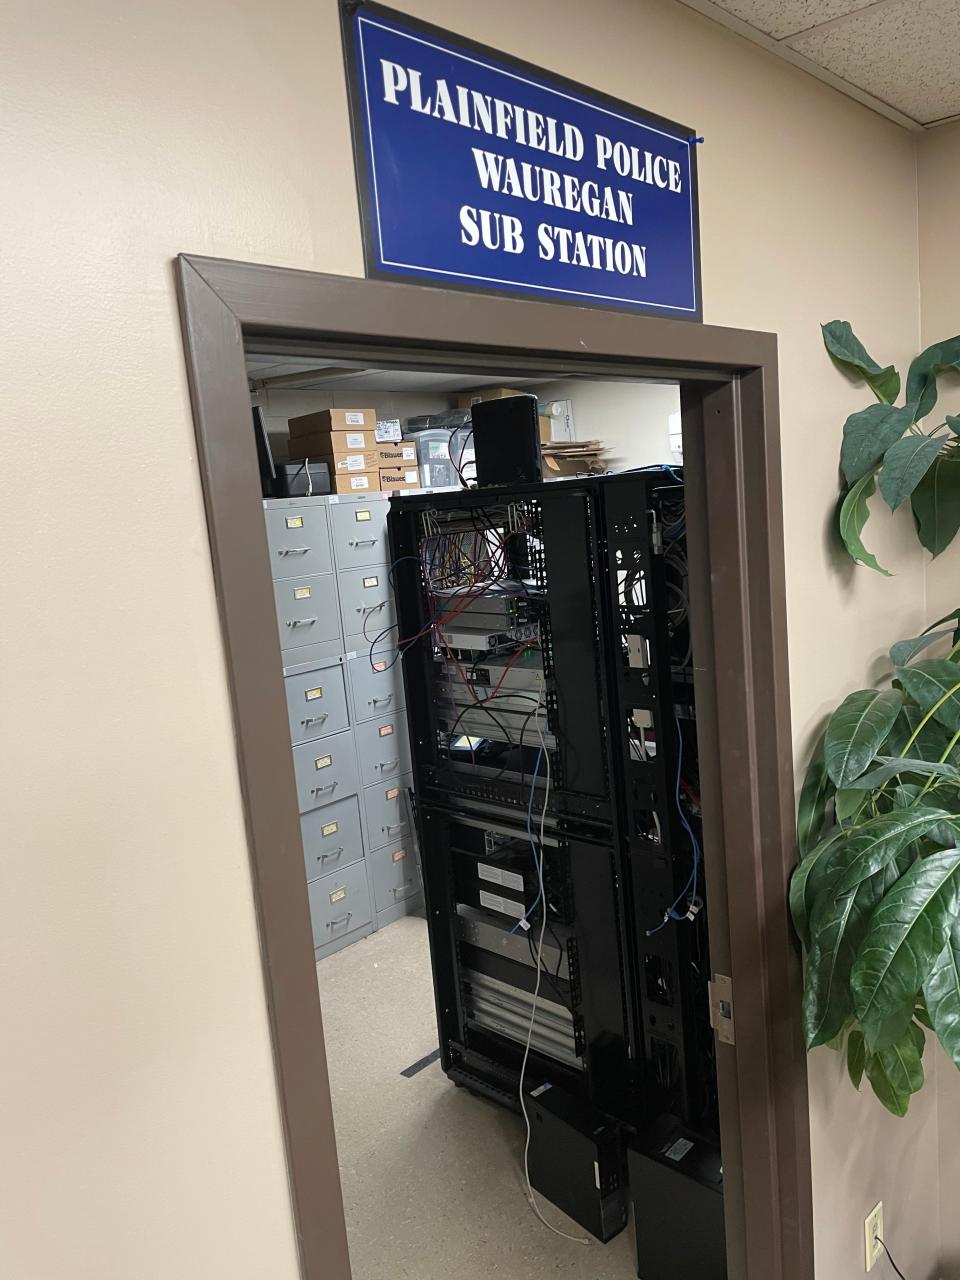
[[892, 766], [812, 807], [905, 651], [935, 683], [877, 843], [896, 1073], [868, 435], [922, 378], [838, 925], [802, 880], [907, 932], [931, 742], [856, 1057], [949, 617], [853, 516], [953, 423], [922, 1016], [848, 350], [857, 730], [904, 466], [847, 804], [941, 991], [936, 503]]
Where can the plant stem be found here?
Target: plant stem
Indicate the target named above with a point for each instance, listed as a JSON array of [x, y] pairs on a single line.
[[933, 710], [943, 759]]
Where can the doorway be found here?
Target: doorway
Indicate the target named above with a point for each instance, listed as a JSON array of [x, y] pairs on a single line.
[[727, 382]]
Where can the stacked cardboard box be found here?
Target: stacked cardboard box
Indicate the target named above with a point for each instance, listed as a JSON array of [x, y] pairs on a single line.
[[357, 449], [572, 458]]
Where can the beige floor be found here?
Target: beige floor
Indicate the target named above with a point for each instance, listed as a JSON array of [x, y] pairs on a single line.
[[431, 1175]]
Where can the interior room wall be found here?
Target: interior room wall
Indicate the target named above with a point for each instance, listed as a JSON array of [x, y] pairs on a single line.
[[632, 419], [140, 1129], [939, 199]]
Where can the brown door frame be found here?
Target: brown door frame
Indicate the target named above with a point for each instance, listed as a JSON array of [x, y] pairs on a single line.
[[728, 381]]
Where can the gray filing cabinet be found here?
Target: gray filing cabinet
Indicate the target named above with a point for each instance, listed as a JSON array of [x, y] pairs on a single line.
[[330, 560]]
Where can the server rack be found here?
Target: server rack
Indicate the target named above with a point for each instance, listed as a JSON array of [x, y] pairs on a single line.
[[548, 673]]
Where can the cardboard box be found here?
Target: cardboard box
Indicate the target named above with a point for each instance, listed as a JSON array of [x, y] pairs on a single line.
[[355, 482], [332, 444], [545, 424], [330, 420], [466, 398], [397, 456], [388, 431], [368, 461], [399, 478]]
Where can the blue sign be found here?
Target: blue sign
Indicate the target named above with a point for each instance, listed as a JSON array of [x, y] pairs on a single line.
[[478, 171]]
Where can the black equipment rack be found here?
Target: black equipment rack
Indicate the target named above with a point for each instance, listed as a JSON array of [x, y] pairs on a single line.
[[589, 576]]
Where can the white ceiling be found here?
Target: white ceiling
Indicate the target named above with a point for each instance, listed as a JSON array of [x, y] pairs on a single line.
[[900, 57], [277, 371]]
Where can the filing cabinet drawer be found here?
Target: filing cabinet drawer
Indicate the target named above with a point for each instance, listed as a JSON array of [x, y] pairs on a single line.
[[359, 531], [395, 874], [299, 541], [378, 689], [326, 770], [366, 601], [339, 904], [331, 837], [387, 812], [316, 703], [383, 748], [306, 610]]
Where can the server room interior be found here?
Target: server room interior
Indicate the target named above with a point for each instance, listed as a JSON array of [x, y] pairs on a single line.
[[433, 1175]]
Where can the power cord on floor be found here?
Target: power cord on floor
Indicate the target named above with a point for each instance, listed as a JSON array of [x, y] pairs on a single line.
[[890, 1258], [531, 1195]]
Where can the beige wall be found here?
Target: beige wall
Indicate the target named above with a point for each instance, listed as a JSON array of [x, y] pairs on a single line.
[[140, 1128], [632, 419], [939, 199]]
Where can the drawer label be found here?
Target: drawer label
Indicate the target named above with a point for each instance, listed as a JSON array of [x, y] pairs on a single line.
[[313, 694], [361, 516], [302, 593], [385, 730], [381, 665], [323, 762], [372, 581], [338, 895], [506, 906], [353, 419], [392, 793], [399, 855], [330, 828], [294, 522], [497, 875], [359, 482]]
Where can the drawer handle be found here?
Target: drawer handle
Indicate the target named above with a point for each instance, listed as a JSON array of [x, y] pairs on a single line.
[[362, 542], [329, 787], [293, 551], [384, 765], [301, 622], [334, 853], [315, 719], [375, 702], [344, 919], [396, 827], [372, 608], [398, 889]]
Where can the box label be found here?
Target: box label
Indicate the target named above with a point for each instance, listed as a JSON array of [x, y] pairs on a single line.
[[504, 905], [294, 522], [361, 516], [355, 439], [355, 461], [323, 762], [353, 419], [313, 694], [359, 482], [399, 855], [385, 730], [330, 828], [302, 593], [410, 477], [497, 875], [388, 430]]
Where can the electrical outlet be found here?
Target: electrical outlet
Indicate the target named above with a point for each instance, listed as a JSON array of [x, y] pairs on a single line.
[[872, 1229]]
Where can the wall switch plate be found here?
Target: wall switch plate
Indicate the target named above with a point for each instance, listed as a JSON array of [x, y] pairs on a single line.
[[873, 1228]]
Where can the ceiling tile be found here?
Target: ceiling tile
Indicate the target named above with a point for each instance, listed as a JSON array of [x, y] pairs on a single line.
[[779, 18], [906, 54]]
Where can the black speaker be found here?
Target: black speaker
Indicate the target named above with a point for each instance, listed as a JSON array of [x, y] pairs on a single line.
[[506, 441]]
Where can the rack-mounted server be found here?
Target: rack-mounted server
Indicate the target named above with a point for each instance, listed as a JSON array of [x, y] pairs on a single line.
[[555, 763]]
